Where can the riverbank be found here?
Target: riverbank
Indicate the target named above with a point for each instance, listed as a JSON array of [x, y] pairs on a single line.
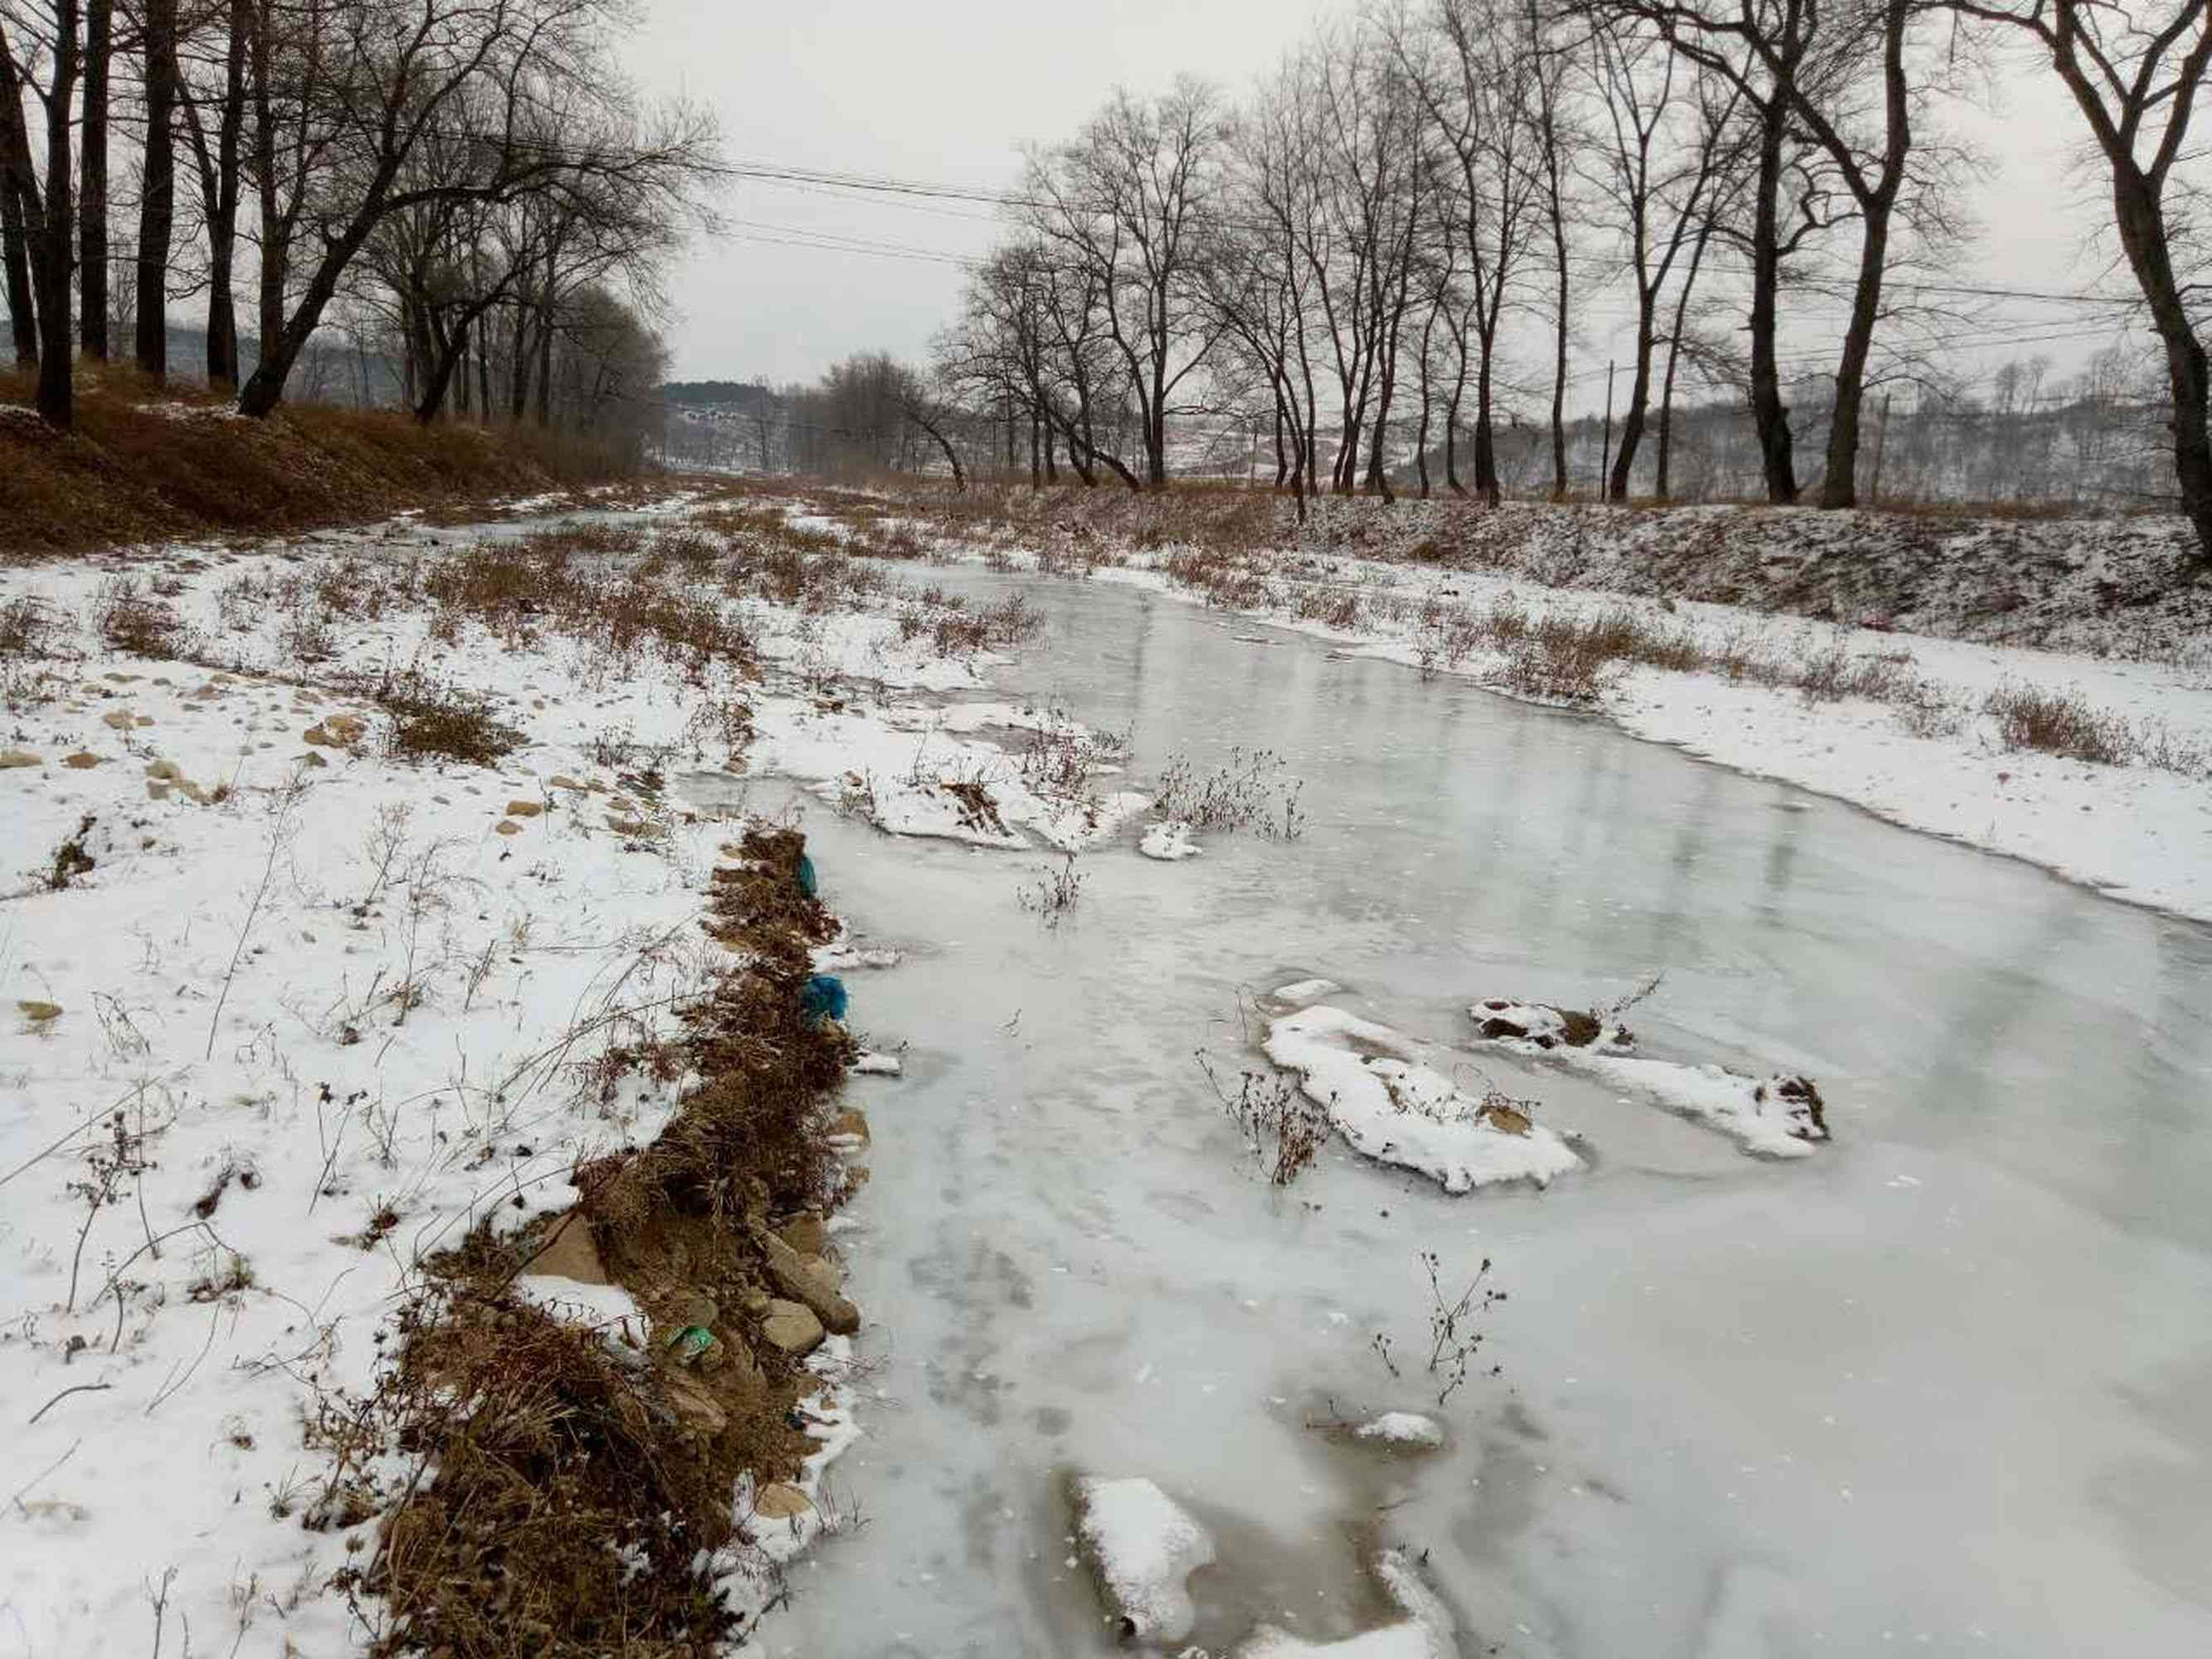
[[148, 463], [392, 1027]]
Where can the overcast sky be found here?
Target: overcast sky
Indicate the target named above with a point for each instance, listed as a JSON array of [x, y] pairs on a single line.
[[950, 91]]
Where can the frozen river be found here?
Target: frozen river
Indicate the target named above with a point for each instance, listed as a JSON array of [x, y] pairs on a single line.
[[1946, 1386]]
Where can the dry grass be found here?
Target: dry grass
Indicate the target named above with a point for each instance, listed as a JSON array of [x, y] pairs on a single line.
[[593, 583], [2060, 723], [128, 618], [432, 720], [149, 463], [559, 1491]]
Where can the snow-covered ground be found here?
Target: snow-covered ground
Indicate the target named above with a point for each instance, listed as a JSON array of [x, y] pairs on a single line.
[[284, 1014]]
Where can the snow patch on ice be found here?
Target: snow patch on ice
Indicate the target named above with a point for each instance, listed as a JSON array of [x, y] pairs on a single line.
[[1396, 1110], [1169, 841], [872, 1064], [1753, 1110], [1532, 1027], [1144, 1546], [1299, 992], [1427, 1631], [1402, 1429]]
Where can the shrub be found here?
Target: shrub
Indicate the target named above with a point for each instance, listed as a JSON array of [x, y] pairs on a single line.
[[429, 719], [2057, 723], [129, 620]]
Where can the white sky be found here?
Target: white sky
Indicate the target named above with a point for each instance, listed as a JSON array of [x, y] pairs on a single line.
[[950, 91]]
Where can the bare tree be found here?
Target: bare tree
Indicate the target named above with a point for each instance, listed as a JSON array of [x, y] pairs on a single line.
[[1127, 200], [1668, 146], [219, 91], [42, 55], [157, 193], [1474, 70], [2134, 73], [92, 181]]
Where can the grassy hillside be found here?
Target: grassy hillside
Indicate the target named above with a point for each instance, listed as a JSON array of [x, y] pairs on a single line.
[[148, 463]]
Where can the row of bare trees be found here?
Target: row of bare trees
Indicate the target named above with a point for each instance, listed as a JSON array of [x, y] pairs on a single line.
[[1367, 250], [470, 181]]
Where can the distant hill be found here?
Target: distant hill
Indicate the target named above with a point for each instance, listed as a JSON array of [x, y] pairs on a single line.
[[743, 396]]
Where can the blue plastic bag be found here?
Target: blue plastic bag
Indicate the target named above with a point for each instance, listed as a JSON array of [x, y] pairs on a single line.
[[807, 884], [822, 997]]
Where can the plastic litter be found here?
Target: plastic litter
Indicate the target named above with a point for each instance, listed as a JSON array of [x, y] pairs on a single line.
[[823, 998], [808, 883], [691, 1344]]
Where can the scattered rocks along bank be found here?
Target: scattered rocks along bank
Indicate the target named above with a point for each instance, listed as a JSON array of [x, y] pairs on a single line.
[[579, 1498]]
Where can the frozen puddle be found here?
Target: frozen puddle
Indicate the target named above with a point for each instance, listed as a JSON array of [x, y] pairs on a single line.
[[1393, 1108]]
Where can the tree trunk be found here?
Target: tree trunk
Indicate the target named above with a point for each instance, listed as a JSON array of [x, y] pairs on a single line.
[[157, 196], [1486, 443], [1769, 414], [1639, 400], [222, 219], [2145, 239], [1662, 483], [1839, 489], [57, 241], [92, 187], [1559, 357], [22, 311]]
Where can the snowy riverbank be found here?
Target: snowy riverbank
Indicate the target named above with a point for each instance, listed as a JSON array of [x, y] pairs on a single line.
[[1938, 762], [352, 902]]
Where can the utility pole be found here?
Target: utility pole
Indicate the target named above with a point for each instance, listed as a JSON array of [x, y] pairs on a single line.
[[1605, 456]]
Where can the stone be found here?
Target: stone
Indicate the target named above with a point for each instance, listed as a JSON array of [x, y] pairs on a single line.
[[156, 790], [695, 1404], [570, 1253], [337, 731], [120, 719], [808, 1235], [792, 1327], [167, 771], [780, 1501], [12, 758], [812, 1281], [525, 809], [84, 760], [850, 1122], [559, 780], [312, 760], [39, 1013], [507, 827]]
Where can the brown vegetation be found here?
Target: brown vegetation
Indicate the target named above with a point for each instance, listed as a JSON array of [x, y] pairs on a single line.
[[149, 463], [570, 1493]]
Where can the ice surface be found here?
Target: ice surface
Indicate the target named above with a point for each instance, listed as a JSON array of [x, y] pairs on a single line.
[[1744, 1406], [1396, 1110]]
